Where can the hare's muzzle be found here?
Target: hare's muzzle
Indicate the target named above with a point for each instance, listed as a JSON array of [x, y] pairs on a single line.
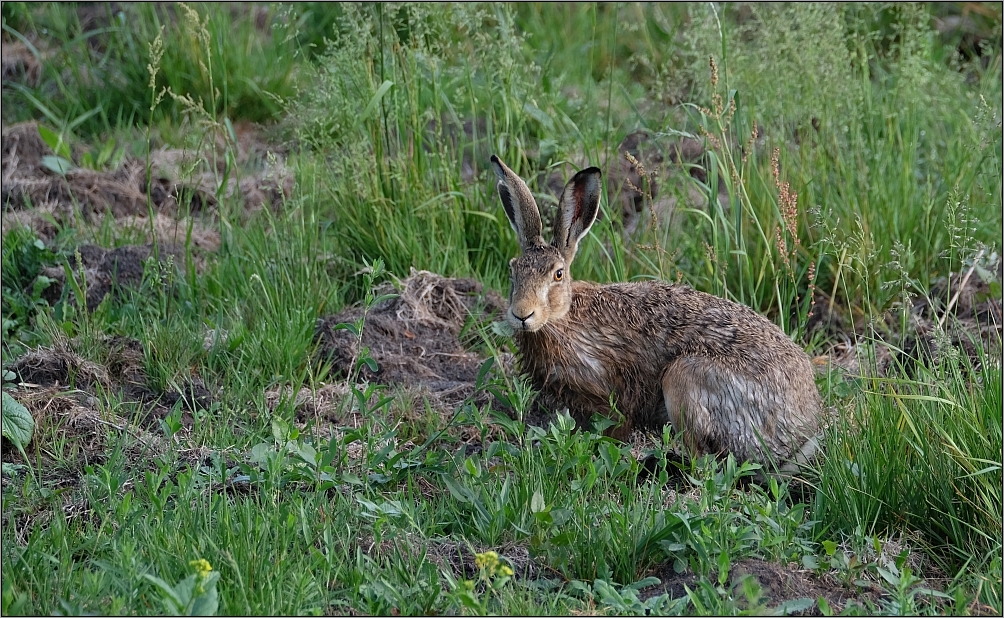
[[526, 322]]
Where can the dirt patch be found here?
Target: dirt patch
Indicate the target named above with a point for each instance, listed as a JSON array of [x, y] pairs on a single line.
[[180, 195], [101, 272], [960, 315], [458, 558], [71, 433], [308, 404], [18, 64], [28, 183], [417, 338], [779, 583], [37, 197], [121, 372]]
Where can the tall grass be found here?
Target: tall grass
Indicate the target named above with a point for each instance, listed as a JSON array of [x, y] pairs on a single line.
[[387, 125], [95, 70], [923, 454], [876, 155]]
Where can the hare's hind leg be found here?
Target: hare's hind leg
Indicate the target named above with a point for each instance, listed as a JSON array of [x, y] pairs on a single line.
[[802, 457], [688, 404]]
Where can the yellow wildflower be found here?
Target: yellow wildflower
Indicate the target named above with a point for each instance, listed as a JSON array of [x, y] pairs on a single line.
[[488, 561], [201, 566]]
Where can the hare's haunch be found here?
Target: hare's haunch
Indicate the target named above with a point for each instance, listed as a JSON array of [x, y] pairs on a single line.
[[726, 377]]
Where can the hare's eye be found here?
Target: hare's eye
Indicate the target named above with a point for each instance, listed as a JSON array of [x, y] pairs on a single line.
[[557, 275]]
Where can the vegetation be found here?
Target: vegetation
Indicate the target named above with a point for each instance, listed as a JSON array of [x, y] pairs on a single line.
[[848, 186]]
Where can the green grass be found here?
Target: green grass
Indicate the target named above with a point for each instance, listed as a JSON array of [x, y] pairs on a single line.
[[95, 73], [891, 144]]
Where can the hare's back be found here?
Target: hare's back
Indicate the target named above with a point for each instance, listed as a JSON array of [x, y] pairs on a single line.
[[687, 322]]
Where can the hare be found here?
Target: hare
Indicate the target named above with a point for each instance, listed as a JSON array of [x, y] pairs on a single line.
[[724, 376]]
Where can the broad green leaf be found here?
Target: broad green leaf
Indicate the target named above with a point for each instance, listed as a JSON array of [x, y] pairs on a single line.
[[280, 430], [53, 141], [537, 502], [207, 603], [172, 601], [57, 164], [794, 606], [723, 567], [18, 425], [459, 492], [486, 366]]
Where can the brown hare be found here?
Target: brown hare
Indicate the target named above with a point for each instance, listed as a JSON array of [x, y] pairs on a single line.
[[726, 377]]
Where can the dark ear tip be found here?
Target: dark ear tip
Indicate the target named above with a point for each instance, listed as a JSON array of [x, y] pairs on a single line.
[[498, 167], [589, 171]]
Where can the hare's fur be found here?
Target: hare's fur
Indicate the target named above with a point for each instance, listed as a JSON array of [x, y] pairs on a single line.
[[726, 377]]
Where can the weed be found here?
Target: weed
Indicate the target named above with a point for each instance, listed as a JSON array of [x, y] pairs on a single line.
[[24, 257]]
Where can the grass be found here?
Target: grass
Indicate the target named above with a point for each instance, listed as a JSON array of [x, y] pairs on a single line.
[[874, 173]]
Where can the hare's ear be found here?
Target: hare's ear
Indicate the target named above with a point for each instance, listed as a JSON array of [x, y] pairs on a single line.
[[519, 205], [580, 201]]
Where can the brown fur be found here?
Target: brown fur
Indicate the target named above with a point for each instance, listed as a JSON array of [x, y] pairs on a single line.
[[726, 377]]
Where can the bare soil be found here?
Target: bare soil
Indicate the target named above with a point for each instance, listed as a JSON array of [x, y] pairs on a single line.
[[121, 374], [418, 338], [778, 583], [176, 206], [101, 272]]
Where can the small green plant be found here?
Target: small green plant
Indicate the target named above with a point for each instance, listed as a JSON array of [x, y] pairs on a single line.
[[624, 600], [905, 588], [476, 595], [24, 258], [196, 595], [14, 602]]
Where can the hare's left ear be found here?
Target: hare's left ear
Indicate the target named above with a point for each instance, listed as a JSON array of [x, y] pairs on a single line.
[[580, 202], [520, 207]]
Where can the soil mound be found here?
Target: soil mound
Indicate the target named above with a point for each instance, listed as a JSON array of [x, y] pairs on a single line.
[[417, 338], [121, 371], [109, 271], [778, 583], [60, 367]]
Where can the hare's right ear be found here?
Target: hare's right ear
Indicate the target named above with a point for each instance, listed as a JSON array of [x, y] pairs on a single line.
[[519, 205], [577, 209]]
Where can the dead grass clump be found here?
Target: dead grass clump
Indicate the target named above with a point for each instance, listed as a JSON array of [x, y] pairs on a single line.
[[433, 300], [19, 65], [174, 231], [68, 429], [121, 374], [308, 404], [71, 433], [457, 558], [59, 366]]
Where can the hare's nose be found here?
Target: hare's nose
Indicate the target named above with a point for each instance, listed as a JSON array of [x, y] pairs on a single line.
[[523, 319]]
